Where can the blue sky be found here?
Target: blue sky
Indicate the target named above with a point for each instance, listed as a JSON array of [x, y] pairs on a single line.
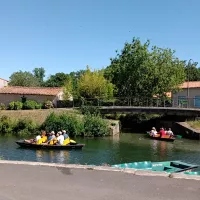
[[67, 35]]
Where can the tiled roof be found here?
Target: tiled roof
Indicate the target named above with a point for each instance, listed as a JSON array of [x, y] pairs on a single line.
[[191, 84], [4, 79], [48, 91]]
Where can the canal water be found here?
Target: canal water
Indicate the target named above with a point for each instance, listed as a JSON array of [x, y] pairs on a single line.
[[110, 150]]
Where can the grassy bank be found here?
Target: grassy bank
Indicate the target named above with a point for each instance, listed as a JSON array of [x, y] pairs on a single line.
[[38, 116], [194, 124]]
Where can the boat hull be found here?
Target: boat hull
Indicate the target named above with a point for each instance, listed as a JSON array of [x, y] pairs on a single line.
[[168, 166], [166, 138], [43, 146]]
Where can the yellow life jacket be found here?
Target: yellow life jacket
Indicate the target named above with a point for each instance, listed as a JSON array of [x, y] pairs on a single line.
[[39, 141], [44, 139], [51, 142], [66, 141]]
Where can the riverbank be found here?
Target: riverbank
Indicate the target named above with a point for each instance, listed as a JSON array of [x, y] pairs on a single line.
[[84, 182]]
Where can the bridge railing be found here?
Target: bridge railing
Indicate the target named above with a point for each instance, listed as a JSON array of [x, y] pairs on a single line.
[[127, 101]]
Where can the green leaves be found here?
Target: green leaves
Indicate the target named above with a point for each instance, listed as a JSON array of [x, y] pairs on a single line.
[[143, 71]]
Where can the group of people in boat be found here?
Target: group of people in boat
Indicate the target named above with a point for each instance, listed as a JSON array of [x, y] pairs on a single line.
[[163, 132], [52, 138]]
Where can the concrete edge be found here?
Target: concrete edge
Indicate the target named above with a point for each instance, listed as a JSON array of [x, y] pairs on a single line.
[[184, 176], [103, 168]]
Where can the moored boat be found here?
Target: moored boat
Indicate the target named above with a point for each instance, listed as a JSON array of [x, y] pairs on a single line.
[[193, 173], [24, 144], [167, 166]]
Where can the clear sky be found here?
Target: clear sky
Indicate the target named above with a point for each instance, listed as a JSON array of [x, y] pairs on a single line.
[[67, 35]]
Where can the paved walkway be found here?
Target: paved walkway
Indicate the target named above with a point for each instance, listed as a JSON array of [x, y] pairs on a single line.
[[25, 182]]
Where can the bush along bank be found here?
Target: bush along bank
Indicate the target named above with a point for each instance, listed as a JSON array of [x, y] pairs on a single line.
[[88, 125]]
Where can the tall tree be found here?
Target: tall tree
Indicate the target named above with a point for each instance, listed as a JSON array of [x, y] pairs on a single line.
[[143, 71], [39, 73], [192, 72], [25, 79], [57, 80], [94, 85]]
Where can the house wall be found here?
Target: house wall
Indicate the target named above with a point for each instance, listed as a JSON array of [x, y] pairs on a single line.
[[7, 98], [193, 100], [3, 83]]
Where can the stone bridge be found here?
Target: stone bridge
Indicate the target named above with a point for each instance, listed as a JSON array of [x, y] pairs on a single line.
[[187, 112]]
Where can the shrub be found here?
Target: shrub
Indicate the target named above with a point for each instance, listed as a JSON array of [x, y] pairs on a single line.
[[25, 127], [18, 105], [30, 105], [95, 126], [38, 106], [73, 124], [11, 105], [15, 105], [47, 104], [6, 125], [2, 106]]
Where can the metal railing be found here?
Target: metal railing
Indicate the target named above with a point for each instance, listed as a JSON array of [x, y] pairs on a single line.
[[137, 102]]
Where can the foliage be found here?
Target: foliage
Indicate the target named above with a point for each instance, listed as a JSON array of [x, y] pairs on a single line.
[[95, 126], [68, 88], [192, 72], [71, 123], [15, 105], [93, 85], [25, 79], [140, 72], [47, 104], [30, 105], [25, 127], [2, 106], [57, 80], [90, 110], [6, 125], [39, 73]]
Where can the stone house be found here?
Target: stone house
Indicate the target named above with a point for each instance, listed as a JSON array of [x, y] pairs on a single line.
[[3, 82], [188, 96], [39, 94]]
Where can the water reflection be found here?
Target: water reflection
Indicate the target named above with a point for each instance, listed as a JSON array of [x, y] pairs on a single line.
[[52, 156]]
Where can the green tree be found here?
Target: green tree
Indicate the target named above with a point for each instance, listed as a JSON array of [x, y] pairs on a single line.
[[39, 73], [192, 72], [143, 71], [25, 79], [94, 85], [57, 80]]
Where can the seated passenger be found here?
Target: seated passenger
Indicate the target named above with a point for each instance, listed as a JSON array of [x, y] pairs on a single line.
[[64, 132], [169, 132], [38, 137], [60, 138], [153, 132], [162, 132], [44, 137]]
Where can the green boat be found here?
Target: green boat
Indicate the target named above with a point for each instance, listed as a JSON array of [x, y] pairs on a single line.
[[167, 166], [193, 173]]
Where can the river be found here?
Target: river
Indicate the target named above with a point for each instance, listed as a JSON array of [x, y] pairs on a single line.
[[110, 150]]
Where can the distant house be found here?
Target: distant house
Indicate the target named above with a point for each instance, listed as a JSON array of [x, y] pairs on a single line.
[[39, 94], [3, 82], [189, 96]]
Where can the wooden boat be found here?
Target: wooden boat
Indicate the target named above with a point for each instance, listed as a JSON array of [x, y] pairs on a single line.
[[163, 138], [24, 144], [167, 166]]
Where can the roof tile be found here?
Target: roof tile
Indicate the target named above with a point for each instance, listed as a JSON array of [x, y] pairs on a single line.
[[48, 91]]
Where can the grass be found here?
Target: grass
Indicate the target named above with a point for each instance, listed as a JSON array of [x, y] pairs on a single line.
[[38, 116], [194, 124]]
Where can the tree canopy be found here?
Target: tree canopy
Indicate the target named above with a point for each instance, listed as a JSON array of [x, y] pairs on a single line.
[[25, 79], [143, 71], [94, 85], [57, 80], [39, 73]]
